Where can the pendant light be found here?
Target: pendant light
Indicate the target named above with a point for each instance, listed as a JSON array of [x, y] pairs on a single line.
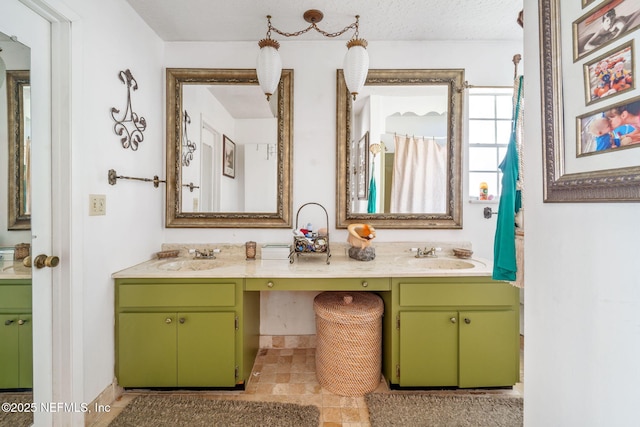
[[269, 65], [355, 65]]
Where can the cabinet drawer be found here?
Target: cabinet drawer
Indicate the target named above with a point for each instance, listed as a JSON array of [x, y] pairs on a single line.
[[457, 294], [318, 284], [15, 297], [178, 295]]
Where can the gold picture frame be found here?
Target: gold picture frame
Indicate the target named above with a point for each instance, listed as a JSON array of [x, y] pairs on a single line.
[[228, 157], [606, 185], [610, 74]]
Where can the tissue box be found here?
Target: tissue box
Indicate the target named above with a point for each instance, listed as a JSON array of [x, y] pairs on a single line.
[[276, 251], [6, 254]]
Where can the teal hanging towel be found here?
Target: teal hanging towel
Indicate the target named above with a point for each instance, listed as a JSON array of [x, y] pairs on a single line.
[[371, 206], [504, 245]]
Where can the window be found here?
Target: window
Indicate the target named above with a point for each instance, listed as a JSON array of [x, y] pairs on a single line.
[[490, 114]]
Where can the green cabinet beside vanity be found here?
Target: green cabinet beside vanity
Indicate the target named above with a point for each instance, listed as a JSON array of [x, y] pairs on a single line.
[[16, 350], [451, 332], [185, 332]]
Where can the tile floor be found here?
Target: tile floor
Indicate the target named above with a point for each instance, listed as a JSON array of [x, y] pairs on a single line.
[[288, 375]]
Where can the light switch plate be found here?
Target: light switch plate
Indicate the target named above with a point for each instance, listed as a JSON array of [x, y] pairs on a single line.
[[97, 204]]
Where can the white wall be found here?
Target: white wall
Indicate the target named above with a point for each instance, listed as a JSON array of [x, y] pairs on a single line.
[[582, 293]]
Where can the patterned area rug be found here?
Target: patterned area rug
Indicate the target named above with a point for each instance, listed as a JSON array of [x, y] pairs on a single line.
[[13, 413], [173, 411], [391, 409]]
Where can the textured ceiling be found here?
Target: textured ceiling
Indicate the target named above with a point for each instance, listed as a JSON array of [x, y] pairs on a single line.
[[245, 20]]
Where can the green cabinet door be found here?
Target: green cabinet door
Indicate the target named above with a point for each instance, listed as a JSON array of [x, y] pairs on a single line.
[[428, 348], [9, 351], [25, 343], [206, 349], [16, 351], [488, 348], [147, 355]]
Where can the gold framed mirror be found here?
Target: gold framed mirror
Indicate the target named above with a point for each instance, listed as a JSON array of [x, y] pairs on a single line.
[[409, 117], [19, 136], [229, 150]]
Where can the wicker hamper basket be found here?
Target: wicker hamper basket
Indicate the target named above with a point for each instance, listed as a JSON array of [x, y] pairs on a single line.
[[349, 341]]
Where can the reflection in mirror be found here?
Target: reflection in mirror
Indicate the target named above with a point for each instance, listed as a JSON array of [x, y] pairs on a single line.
[[16, 349], [228, 150], [399, 147], [19, 138]]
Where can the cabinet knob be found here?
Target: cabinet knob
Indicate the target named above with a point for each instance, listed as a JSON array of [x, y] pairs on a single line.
[[453, 320], [168, 320], [8, 322], [269, 284], [182, 320], [467, 320], [365, 284], [21, 322]]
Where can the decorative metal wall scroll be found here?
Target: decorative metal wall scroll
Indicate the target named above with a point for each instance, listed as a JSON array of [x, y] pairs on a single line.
[[188, 147], [131, 126]]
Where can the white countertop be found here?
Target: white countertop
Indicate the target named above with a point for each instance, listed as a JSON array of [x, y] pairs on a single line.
[[14, 270], [392, 260]]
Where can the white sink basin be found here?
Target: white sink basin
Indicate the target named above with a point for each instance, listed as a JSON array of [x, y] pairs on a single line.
[[439, 263], [14, 267], [189, 265]]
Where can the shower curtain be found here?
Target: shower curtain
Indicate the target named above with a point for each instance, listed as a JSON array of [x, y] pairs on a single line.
[[419, 176]]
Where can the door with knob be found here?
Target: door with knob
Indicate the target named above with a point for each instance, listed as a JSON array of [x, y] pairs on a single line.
[[30, 24]]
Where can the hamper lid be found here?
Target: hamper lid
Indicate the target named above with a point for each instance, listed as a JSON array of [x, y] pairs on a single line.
[[348, 307]]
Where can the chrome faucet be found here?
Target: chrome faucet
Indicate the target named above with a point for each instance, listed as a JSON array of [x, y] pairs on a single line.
[[204, 253], [426, 253]]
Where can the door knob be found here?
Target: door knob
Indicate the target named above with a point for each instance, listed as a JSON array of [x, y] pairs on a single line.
[[45, 261]]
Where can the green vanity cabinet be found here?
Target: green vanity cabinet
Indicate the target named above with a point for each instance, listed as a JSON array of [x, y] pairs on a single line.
[[185, 333], [452, 332], [16, 342]]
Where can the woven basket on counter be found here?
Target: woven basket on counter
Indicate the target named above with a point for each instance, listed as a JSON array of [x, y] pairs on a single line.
[[21, 251], [349, 341]]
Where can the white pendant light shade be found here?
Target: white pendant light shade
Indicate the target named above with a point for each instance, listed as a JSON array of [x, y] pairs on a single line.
[[356, 65], [269, 66]]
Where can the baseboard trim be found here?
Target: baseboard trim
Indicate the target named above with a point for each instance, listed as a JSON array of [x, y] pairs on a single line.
[[102, 403]]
